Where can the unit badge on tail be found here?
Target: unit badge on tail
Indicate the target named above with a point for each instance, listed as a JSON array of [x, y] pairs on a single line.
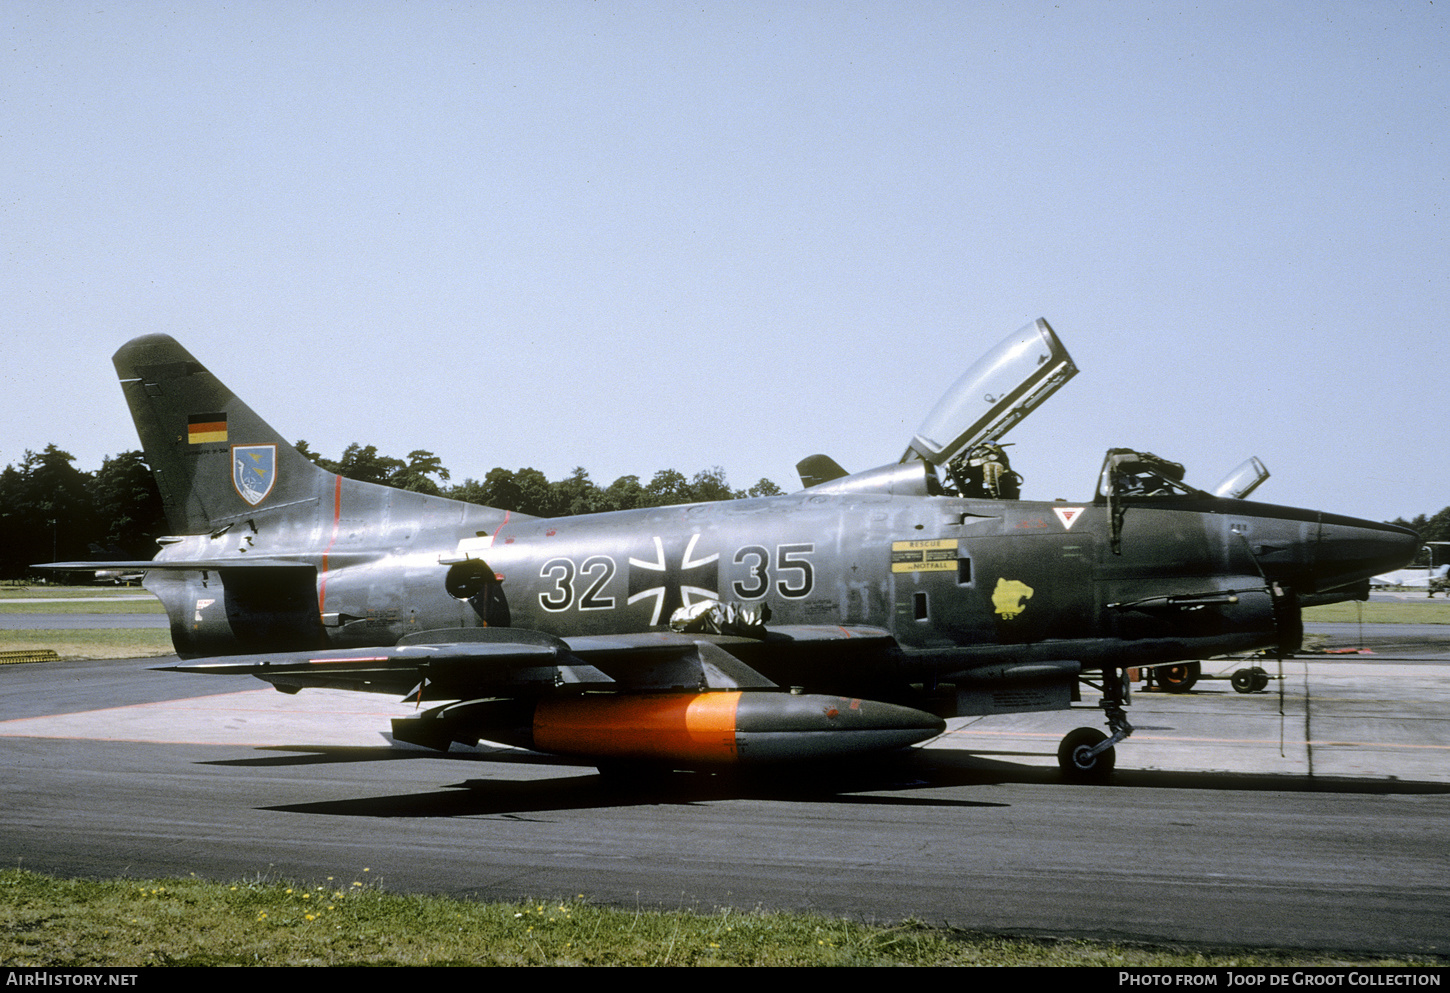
[[254, 471]]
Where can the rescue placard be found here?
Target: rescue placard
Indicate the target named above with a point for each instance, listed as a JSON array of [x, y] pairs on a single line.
[[934, 555]]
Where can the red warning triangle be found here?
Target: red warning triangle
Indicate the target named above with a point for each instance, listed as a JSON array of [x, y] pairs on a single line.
[[1068, 516]]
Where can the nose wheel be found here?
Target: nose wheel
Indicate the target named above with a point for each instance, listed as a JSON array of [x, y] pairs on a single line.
[[1080, 759], [1086, 755]]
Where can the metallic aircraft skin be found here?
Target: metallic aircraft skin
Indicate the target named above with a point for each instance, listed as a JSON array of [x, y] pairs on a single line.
[[891, 600]]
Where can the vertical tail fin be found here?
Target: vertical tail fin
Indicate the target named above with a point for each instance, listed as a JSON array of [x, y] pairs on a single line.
[[215, 461]]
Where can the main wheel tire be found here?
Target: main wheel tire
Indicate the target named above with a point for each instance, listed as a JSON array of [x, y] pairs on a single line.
[[1079, 767], [1177, 678], [1243, 681]]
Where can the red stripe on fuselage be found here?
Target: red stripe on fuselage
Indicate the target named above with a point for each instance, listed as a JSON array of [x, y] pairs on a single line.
[[494, 537], [336, 522]]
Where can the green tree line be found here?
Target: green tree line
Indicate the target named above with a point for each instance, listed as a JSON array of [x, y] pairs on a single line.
[[50, 511]]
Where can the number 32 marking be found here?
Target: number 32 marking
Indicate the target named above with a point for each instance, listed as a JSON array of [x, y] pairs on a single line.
[[598, 568]]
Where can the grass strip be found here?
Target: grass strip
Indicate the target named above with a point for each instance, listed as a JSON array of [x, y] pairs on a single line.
[[77, 600], [1424, 611], [21, 592], [96, 606], [344, 921], [92, 643]]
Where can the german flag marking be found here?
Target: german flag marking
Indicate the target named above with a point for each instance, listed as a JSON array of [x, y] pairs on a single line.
[[206, 428]]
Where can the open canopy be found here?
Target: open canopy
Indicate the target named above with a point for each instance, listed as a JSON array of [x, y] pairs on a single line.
[[1000, 389]]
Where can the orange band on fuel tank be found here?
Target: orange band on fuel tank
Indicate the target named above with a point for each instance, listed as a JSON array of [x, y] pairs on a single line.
[[682, 727]]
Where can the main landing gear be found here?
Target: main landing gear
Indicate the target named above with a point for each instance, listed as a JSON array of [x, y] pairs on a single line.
[[1249, 680], [1178, 678], [1086, 755]]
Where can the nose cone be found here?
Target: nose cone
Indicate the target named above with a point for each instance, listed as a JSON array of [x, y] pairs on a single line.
[[1343, 550], [1315, 553]]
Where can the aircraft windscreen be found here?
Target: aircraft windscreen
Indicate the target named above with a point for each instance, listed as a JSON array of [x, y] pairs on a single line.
[[1245, 478]]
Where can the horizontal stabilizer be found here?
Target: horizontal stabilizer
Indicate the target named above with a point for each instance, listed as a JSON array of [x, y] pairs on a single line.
[[188, 565]]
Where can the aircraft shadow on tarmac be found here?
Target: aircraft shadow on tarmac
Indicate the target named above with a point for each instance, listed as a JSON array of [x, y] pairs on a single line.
[[909, 780], [515, 798], [977, 769], [589, 789]]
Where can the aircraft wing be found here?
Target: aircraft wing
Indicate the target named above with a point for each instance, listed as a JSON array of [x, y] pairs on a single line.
[[467, 663]]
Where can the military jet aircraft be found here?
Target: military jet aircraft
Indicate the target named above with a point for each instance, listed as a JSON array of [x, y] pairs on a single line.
[[848, 618]]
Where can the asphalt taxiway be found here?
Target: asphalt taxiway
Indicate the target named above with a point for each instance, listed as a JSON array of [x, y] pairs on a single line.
[[1314, 814]]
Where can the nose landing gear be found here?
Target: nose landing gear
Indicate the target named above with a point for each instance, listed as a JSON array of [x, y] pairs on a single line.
[[1084, 758], [1086, 755]]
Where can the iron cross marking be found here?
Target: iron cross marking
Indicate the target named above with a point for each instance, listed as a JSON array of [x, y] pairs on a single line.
[[672, 577]]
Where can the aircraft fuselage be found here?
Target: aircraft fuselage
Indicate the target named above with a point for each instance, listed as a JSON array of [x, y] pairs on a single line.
[[961, 585]]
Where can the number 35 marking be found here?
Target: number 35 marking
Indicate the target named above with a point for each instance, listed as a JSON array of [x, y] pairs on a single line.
[[795, 576]]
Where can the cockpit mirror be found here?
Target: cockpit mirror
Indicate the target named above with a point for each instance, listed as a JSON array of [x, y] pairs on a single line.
[[1000, 389], [1243, 480]]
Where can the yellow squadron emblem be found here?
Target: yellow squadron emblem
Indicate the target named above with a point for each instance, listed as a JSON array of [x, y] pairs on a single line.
[[1010, 597]]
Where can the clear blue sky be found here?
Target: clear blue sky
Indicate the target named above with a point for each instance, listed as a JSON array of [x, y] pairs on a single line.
[[634, 236]]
